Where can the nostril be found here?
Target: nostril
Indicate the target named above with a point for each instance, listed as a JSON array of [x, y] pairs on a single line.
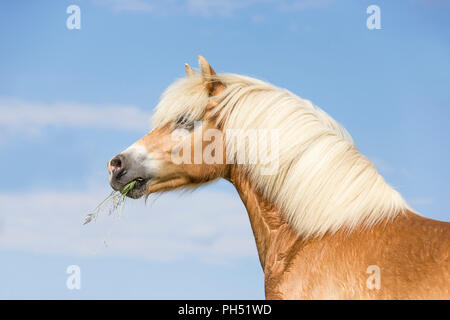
[[116, 163]]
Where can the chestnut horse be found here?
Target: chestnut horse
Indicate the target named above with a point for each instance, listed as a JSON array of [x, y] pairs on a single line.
[[326, 224]]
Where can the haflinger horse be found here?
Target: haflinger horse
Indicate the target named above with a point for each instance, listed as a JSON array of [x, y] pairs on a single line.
[[326, 224]]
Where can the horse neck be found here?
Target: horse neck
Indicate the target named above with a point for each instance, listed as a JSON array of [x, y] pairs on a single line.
[[269, 227]]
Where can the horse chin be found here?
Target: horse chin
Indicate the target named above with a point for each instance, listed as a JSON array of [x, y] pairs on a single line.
[[139, 190], [135, 194]]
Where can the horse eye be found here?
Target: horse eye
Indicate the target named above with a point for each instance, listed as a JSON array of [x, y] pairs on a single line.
[[183, 122]]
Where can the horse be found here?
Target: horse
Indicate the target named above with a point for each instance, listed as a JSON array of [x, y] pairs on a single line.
[[325, 222]]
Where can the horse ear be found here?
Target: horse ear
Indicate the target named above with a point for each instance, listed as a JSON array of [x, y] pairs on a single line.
[[207, 70], [208, 73], [189, 71]]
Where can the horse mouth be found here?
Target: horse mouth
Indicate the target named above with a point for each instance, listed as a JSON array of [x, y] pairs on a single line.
[[139, 189]]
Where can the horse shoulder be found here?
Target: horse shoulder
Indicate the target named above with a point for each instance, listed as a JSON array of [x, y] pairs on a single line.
[[411, 254]]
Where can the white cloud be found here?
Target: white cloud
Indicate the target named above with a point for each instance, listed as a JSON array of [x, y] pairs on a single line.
[[130, 5], [18, 116], [301, 5], [209, 7], [206, 224]]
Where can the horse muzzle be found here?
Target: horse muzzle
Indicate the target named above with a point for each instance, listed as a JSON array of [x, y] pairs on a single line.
[[123, 170]]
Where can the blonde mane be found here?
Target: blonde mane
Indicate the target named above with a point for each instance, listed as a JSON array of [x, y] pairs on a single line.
[[323, 182]]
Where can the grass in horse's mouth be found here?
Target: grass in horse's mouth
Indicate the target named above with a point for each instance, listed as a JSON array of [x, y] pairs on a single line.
[[118, 200]]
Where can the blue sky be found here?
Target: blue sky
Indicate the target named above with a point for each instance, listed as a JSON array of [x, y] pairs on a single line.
[[71, 99]]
